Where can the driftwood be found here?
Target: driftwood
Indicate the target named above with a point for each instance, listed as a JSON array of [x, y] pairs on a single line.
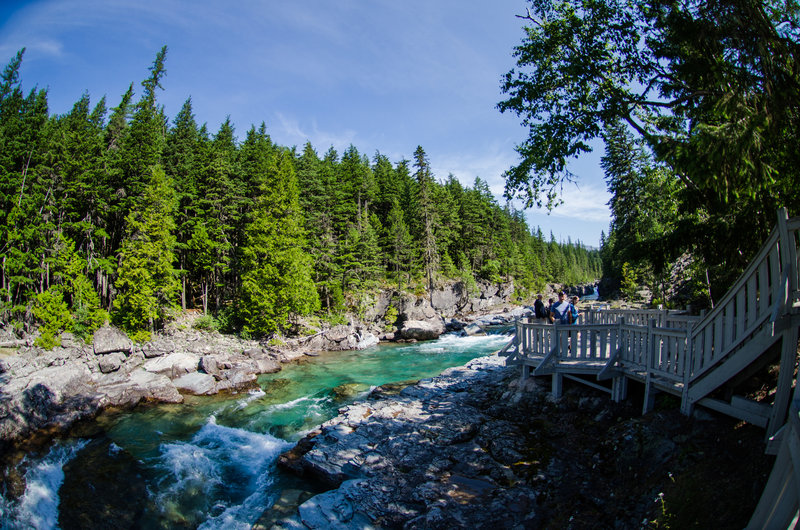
[[303, 339]]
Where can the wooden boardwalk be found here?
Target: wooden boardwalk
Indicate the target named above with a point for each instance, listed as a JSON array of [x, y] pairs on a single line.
[[704, 360]]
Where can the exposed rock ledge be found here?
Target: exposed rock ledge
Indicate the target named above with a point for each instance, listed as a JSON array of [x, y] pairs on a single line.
[[473, 448], [52, 389]]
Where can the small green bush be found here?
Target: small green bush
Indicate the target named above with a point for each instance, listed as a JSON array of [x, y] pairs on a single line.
[[53, 313], [205, 323]]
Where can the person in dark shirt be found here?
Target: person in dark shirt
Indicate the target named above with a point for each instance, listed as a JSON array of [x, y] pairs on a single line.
[[539, 309]]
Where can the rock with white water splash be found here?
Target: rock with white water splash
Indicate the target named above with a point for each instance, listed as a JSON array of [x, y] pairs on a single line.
[[421, 330]]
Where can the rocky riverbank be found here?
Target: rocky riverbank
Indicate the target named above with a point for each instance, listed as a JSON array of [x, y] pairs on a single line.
[[474, 448], [49, 390]]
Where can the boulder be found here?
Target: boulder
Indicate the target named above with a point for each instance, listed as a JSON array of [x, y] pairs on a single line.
[[253, 352], [266, 365], [111, 362], [126, 390], [473, 329], [196, 383], [210, 365], [173, 365], [158, 346], [421, 330], [108, 340], [157, 387], [237, 379]]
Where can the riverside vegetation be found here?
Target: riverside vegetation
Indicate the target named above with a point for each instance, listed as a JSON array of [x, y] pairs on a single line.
[[133, 214], [128, 215]]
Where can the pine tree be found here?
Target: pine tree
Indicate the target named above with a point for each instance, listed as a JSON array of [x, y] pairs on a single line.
[[426, 210], [277, 273], [182, 165], [147, 282]]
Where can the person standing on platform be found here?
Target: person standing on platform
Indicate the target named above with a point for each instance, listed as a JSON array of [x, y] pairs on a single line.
[[561, 312], [575, 313], [539, 309]]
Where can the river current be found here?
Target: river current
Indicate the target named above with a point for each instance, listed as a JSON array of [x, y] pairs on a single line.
[[210, 461]]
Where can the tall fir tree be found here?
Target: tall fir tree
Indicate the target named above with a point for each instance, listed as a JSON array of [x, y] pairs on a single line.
[[147, 283]]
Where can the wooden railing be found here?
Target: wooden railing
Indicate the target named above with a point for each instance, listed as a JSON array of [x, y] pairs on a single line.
[[697, 355], [641, 317], [753, 301], [779, 506]]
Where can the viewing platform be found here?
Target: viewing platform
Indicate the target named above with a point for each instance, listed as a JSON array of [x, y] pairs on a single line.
[[703, 360]]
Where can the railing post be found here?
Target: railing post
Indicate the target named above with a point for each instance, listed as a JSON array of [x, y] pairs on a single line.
[[787, 267], [688, 363], [649, 394]]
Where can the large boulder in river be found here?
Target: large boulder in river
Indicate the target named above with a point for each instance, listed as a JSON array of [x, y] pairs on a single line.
[[196, 383], [126, 390], [421, 330]]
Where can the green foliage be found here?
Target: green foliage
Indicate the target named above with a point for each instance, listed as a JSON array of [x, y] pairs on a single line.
[[711, 90], [277, 274], [53, 313], [630, 283], [147, 283], [491, 271], [390, 317], [118, 209], [205, 323]]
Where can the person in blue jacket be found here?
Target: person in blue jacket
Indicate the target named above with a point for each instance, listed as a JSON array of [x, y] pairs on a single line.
[[574, 306]]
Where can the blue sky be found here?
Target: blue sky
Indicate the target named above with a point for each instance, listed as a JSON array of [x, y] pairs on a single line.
[[381, 75]]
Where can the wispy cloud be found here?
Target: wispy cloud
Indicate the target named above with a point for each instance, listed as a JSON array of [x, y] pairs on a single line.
[[289, 131], [586, 202]]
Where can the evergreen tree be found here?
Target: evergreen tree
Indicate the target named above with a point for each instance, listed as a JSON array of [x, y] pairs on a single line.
[[426, 211], [182, 163], [277, 274], [147, 284]]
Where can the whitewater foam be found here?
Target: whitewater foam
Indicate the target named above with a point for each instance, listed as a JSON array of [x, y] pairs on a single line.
[[221, 469], [38, 506]]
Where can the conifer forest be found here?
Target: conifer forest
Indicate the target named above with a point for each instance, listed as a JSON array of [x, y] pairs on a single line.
[[117, 211]]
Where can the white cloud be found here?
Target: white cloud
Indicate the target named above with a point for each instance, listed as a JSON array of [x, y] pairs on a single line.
[[586, 202], [290, 132]]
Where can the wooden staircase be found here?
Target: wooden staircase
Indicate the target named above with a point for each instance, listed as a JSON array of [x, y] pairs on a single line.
[[704, 360]]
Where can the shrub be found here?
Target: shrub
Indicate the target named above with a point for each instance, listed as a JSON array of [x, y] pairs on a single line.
[[52, 311], [205, 323]]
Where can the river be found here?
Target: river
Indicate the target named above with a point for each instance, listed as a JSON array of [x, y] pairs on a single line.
[[209, 462]]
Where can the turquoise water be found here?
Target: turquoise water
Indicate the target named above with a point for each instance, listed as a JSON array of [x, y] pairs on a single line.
[[210, 462]]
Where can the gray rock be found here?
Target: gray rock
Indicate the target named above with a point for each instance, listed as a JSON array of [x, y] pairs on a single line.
[[210, 365], [111, 362], [157, 387], [108, 339], [253, 352], [334, 509], [196, 383], [159, 346], [267, 365], [127, 390], [174, 364], [473, 330], [421, 330]]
